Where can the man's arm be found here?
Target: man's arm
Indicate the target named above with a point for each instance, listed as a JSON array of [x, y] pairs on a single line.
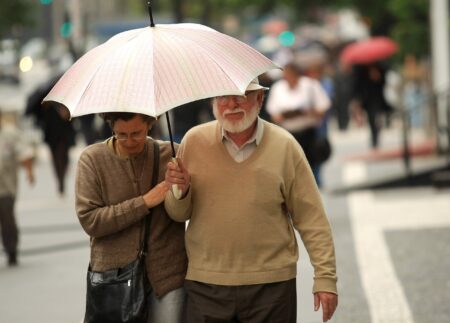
[[309, 219]]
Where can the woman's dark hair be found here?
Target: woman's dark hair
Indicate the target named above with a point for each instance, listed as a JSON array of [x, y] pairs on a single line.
[[112, 117]]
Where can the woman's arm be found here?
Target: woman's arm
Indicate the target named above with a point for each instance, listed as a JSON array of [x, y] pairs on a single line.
[[96, 217]]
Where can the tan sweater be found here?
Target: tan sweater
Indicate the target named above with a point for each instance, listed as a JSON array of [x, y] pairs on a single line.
[[111, 210], [242, 215]]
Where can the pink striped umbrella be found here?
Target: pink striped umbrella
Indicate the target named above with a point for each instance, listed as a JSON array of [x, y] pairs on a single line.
[[154, 69]]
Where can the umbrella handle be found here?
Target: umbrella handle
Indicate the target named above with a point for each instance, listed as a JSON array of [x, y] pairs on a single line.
[[175, 189]]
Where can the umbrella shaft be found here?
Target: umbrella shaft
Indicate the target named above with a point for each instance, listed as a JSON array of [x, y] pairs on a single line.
[[152, 24], [170, 134]]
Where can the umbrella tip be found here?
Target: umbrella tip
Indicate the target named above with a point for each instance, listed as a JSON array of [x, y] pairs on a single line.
[[149, 5]]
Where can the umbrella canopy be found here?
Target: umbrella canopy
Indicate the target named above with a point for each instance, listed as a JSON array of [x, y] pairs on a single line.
[[368, 51], [151, 70]]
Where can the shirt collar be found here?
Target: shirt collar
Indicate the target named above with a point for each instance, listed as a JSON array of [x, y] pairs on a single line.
[[256, 137]]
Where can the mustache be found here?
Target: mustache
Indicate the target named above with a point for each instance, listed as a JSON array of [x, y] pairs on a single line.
[[228, 111]]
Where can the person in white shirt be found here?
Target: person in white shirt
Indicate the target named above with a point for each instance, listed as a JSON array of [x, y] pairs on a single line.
[[298, 103]]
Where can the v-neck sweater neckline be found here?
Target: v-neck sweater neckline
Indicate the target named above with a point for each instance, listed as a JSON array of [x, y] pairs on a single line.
[[253, 156]]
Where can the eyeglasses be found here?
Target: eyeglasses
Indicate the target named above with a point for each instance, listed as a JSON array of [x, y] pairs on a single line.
[[136, 136], [240, 99]]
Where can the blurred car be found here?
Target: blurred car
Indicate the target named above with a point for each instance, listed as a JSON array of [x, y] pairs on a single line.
[[34, 55], [9, 61], [35, 48]]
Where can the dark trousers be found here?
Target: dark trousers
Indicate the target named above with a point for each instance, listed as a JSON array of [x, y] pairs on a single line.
[[60, 160], [9, 231], [274, 303], [374, 124]]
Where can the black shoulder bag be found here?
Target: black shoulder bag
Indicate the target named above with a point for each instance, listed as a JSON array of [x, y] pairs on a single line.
[[120, 295]]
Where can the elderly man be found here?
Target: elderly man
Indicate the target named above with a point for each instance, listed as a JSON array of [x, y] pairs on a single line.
[[246, 184]]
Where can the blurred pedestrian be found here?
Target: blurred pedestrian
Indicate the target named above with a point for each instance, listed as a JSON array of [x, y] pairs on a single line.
[[414, 91], [343, 91], [299, 104], [187, 116], [266, 81], [322, 73], [246, 185], [59, 133], [88, 130], [113, 196], [15, 151], [369, 85]]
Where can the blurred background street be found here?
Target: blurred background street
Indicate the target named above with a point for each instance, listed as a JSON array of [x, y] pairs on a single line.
[[388, 203]]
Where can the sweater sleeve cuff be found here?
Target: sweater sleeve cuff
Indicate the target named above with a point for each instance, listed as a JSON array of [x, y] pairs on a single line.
[[178, 210], [141, 208], [325, 285], [134, 210]]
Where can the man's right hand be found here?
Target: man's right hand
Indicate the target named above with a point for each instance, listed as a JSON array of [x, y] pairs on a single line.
[[176, 174]]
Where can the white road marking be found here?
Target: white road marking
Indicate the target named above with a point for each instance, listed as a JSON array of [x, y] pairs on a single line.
[[370, 217], [385, 295], [354, 173]]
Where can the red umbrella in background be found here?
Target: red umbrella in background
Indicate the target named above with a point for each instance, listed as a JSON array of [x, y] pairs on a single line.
[[369, 51]]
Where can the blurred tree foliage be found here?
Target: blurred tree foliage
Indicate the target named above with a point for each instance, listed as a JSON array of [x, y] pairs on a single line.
[[406, 21], [15, 15], [412, 27]]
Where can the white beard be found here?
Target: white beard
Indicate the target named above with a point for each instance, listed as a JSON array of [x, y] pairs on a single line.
[[236, 126]]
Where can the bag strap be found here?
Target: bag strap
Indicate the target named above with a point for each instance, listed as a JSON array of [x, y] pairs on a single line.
[[144, 245]]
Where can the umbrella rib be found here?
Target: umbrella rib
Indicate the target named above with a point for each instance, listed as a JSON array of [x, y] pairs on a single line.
[[206, 51], [257, 71]]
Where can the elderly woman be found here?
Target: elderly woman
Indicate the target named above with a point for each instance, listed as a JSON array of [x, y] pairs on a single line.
[[113, 196]]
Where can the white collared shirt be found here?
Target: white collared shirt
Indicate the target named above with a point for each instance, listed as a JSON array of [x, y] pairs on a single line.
[[240, 154]]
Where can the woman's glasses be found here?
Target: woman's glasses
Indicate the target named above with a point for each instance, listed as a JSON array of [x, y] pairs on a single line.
[[136, 136]]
